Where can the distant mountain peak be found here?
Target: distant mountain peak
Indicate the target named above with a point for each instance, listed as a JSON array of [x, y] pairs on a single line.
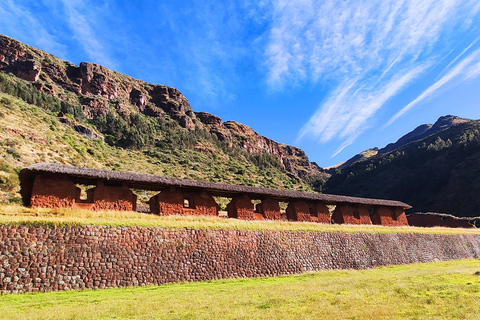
[[420, 132]]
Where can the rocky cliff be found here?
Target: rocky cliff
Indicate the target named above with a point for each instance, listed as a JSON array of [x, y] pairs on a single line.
[[100, 91]]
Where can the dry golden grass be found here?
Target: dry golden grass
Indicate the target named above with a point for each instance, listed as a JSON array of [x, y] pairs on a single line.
[[18, 215]]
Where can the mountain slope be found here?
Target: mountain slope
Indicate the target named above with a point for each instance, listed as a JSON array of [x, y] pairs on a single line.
[[131, 113], [416, 134], [439, 172], [52, 110], [29, 134]]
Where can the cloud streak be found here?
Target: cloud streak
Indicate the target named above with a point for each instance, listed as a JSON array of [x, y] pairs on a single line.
[[466, 69], [81, 21], [369, 51], [21, 23]]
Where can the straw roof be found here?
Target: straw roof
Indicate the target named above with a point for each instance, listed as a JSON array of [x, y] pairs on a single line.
[[152, 182]]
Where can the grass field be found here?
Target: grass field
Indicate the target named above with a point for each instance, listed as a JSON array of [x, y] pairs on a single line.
[[19, 215], [439, 290]]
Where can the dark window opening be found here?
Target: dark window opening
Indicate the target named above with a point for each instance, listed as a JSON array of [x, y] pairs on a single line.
[[356, 214], [394, 216]]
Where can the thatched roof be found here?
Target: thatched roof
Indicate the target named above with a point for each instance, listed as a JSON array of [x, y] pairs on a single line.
[[152, 182]]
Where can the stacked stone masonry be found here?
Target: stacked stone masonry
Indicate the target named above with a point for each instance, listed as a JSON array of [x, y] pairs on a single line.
[[45, 258]]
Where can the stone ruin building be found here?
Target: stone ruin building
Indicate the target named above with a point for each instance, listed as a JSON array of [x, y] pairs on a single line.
[[431, 219], [55, 186]]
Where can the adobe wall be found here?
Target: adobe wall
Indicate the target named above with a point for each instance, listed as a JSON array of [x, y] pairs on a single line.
[[308, 211], [53, 191], [167, 202], [172, 201], [241, 207], [45, 258], [113, 198], [269, 209], [351, 214], [59, 191], [430, 220], [386, 216]]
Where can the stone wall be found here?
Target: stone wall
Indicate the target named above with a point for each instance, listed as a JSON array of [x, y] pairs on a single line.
[[46, 258]]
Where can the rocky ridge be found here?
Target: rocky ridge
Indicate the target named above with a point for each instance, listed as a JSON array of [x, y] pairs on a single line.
[[98, 90], [421, 132]]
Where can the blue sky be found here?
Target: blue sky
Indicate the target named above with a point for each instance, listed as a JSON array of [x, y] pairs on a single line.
[[331, 77]]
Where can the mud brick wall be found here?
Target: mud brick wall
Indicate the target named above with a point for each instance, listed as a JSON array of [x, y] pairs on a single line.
[[53, 191], [301, 210], [351, 214], [113, 198], [167, 202], [432, 220], [269, 209], [46, 258], [172, 201], [389, 216], [241, 207]]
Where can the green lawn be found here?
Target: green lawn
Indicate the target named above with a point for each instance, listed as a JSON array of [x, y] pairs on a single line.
[[439, 290]]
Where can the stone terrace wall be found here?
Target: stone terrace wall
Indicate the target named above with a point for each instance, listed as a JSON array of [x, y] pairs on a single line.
[[47, 258]]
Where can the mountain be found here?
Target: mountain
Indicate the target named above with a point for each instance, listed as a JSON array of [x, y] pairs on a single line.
[[110, 114], [434, 168], [416, 134], [358, 157], [423, 131]]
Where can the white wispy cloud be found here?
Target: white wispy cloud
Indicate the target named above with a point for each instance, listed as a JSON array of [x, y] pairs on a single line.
[[372, 50], [466, 69], [20, 22], [337, 112], [81, 20]]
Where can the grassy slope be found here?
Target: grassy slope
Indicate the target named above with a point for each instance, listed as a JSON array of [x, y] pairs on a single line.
[[17, 215], [29, 134], [439, 290]]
